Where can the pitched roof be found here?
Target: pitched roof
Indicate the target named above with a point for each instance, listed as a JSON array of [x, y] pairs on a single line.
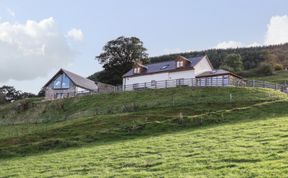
[[164, 66], [76, 79], [216, 73]]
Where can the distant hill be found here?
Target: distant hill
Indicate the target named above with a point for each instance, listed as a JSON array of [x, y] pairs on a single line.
[[251, 56]]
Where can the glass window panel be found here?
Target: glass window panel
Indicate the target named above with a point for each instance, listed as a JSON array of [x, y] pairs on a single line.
[[65, 82], [62, 81], [57, 82]]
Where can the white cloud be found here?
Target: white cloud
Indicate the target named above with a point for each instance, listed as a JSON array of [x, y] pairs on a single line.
[[32, 49], [235, 44], [254, 44], [11, 12], [277, 31], [176, 50], [75, 34], [228, 44]]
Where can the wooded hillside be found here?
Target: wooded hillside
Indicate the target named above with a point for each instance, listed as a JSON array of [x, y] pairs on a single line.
[[251, 56]]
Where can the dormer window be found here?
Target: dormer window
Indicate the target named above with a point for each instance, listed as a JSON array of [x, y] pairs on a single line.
[[137, 70], [179, 64]]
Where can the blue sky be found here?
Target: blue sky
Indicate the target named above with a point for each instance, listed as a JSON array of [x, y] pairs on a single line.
[[165, 26]]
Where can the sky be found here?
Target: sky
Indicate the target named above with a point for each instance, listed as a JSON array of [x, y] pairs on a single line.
[[37, 38]]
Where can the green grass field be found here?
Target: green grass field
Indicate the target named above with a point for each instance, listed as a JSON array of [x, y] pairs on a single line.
[[181, 132], [278, 77]]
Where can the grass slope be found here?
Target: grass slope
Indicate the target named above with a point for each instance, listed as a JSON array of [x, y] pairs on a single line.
[[277, 77], [254, 147], [144, 134]]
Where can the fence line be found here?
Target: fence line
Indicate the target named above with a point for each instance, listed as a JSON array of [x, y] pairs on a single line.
[[203, 82], [194, 82]]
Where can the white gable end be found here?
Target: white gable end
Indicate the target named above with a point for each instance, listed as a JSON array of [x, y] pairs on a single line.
[[203, 66]]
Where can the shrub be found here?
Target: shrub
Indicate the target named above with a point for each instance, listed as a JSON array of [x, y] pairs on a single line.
[[265, 69], [278, 67]]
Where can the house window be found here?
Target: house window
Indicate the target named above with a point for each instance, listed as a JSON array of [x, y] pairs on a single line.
[[59, 95], [179, 64], [61, 82], [137, 70], [153, 83]]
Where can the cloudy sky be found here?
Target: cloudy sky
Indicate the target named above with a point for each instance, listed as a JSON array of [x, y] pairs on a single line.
[[39, 37]]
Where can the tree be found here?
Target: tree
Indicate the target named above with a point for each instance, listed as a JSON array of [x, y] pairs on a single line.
[[10, 93], [118, 57], [2, 99], [265, 69], [233, 63]]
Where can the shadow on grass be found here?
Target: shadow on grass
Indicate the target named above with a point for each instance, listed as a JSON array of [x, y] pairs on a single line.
[[115, 128]]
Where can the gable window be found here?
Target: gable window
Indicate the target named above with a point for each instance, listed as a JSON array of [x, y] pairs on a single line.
[[137, 70], [179, 64], [61, 82]]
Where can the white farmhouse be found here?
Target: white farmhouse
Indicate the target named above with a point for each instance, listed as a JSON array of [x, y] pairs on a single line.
[[196, 71]]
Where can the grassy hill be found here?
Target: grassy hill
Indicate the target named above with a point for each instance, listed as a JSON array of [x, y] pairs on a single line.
[[182, 132], [277, 77]]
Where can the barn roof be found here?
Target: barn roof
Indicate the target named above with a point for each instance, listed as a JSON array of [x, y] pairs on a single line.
[[164, 66], [76, 79]]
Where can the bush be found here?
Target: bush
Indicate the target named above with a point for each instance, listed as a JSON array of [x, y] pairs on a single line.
[[278, 67], [265, 69]]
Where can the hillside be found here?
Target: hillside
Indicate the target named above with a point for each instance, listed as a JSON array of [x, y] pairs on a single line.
[[278, 77], [176, 132], [252, 56]]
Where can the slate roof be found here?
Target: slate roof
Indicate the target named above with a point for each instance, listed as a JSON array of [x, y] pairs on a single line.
[[76, 79], [215, 73], [159, 67]]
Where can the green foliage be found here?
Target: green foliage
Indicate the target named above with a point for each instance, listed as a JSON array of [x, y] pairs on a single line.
[[118, 57], [278, 67], [265, 69], [9, 93], [251, 57], [233, 63]]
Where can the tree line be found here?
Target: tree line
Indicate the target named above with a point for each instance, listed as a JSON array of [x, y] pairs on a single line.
[[9, 94]]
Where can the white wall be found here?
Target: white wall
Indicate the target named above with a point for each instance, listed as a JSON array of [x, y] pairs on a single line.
[[202, 66], [181, 74], [160, 78], [81, 90], [146, 78]]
